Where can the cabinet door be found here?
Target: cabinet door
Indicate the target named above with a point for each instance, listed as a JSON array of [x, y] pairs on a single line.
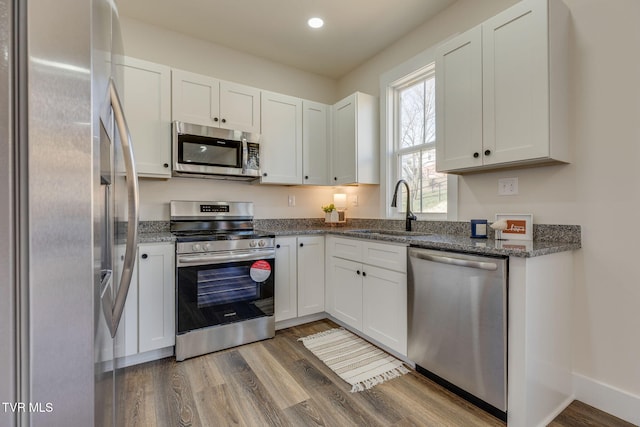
[[195, 98], [344, 248], [281, 146], [310, 275], [344, 291], [384, 301], [343, 145], [459, 100], [156, 296], [239, 107], [286, 296], [515, 83], [147, 104], [315, 143], [385, 255]]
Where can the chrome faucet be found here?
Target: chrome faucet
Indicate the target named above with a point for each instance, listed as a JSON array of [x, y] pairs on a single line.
[[394, 203]]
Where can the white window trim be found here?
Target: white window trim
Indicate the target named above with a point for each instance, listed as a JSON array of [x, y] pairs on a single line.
[[388, 81]]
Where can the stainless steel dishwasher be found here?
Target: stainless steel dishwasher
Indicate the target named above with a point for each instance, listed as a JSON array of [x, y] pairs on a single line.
[[457, 306]]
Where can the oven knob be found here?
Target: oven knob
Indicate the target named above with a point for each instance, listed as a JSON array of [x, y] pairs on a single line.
[[261, 243], [252, 243], [197, 247], [207, 247]]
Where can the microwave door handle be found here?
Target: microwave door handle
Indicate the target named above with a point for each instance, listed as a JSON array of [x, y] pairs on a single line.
[[245, 155], [133, 209]]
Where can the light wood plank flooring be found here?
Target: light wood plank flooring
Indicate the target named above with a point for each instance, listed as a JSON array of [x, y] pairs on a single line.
[[278, 382]]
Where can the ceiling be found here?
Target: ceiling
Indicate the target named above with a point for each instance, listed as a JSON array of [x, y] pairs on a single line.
[[354, 30]]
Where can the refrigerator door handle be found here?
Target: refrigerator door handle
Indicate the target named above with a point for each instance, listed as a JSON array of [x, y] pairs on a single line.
[[117, 308]]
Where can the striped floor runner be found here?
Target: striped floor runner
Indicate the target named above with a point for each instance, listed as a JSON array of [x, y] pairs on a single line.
[[356, 361]]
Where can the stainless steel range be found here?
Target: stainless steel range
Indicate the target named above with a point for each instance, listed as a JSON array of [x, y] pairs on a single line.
[[224, 277]]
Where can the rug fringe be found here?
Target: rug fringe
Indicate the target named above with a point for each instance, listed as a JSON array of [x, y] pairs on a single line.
[[379, 379]]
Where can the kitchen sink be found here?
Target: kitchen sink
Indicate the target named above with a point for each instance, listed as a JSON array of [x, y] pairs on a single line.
[[394, 233]]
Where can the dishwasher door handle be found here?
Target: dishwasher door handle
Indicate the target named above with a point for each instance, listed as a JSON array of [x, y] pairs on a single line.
[[489, 266]]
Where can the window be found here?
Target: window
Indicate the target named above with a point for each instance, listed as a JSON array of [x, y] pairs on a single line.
[[415, 149], [411, 141]]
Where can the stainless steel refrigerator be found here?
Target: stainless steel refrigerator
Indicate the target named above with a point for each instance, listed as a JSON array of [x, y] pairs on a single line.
[[68, 214]]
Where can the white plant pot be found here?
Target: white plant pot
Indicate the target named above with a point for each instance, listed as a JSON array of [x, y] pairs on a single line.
[[331, 216]]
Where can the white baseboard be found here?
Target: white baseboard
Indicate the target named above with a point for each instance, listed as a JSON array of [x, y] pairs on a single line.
[[552, 416], [297, 321], [607, 398]]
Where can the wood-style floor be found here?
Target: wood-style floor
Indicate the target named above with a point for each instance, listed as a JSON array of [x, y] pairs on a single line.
[[278, 382]]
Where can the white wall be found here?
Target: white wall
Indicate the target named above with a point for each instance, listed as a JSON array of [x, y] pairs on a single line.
[[599, 190], [179, 51], [270, 201]]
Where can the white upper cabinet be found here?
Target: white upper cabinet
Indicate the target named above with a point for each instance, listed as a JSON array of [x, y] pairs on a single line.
[[354, 147], [281, 143], [501, 91], [459, 101], [315, 143], [146, 93], [203, 100]]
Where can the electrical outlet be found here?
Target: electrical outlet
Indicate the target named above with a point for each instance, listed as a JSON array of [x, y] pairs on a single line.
[[508, 186], [354, 200], [292, 200]]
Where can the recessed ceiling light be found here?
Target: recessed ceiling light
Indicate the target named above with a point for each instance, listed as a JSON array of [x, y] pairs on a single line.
[[315, 22]]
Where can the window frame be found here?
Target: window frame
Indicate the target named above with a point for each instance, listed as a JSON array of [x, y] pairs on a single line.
[[394, 79]]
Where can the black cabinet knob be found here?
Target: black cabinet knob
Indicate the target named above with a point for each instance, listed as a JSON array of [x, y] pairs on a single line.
[[215, 119], [166, 165], [358, 272], [335, 178], [306, 177], [145, 256], [277, 246], [364, 274], [301, 244], [476, 155], [264, 174], [487, 152], [224, 120]]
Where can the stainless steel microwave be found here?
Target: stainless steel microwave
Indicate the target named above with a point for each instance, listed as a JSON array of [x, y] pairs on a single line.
[[208, 152]]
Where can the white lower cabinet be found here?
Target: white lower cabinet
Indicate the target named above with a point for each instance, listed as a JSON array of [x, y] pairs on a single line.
[[384, 306], [286, 287], [365, 296], [299, 276], [156, 296], [344, 292], [150, 308]]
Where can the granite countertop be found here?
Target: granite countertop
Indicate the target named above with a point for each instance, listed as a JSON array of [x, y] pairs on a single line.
[[518, 248], [156, 237], [452, 236]]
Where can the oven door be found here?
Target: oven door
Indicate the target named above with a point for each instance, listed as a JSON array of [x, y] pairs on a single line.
[[225, 291]]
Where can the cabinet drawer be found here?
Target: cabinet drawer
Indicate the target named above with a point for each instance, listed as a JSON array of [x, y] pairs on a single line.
[[392, 257], [346, 248]]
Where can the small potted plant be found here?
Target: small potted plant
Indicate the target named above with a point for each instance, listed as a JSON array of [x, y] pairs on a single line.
[[330, 213]]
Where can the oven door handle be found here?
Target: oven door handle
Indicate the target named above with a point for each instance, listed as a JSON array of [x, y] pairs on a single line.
[[220, 258]]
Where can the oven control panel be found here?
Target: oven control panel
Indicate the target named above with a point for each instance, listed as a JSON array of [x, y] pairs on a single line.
[[225, 245]]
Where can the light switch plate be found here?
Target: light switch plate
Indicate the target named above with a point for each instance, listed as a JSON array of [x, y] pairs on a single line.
[[292, 200], [508, 186]]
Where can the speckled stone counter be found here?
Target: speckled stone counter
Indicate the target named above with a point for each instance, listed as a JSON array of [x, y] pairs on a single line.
[[154, 232], [446, 235]]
